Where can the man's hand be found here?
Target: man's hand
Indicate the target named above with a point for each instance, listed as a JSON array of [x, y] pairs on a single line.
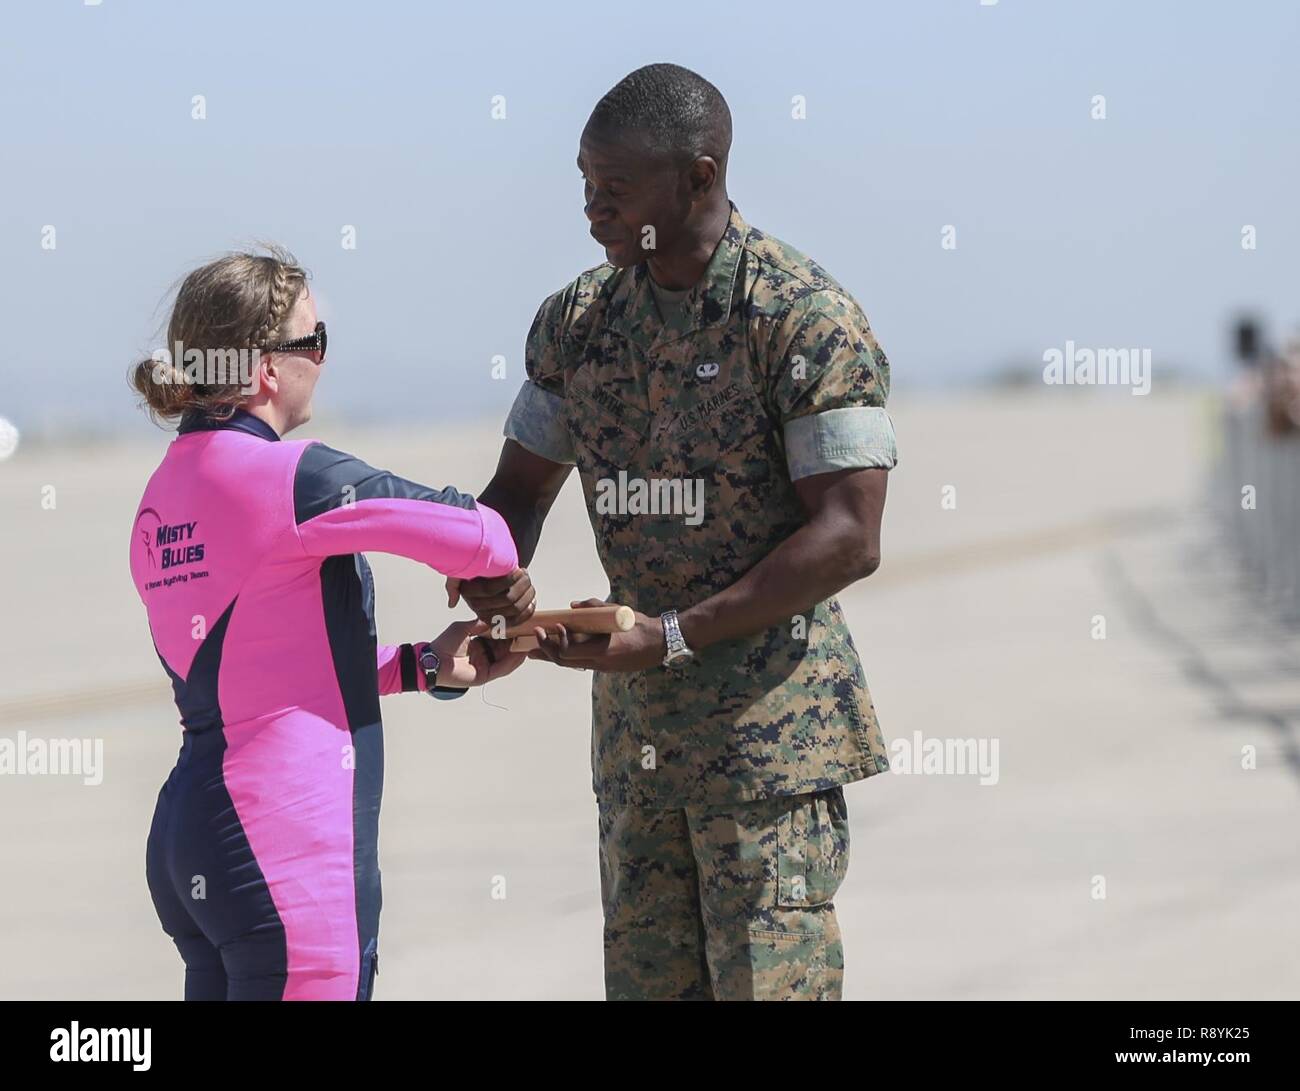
[[509, 597], [641, 648]]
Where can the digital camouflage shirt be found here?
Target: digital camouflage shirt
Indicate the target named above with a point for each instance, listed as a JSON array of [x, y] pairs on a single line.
[[687, 434]]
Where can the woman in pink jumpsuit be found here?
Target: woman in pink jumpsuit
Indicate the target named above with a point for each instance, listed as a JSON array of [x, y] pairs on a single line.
[[247, 551]]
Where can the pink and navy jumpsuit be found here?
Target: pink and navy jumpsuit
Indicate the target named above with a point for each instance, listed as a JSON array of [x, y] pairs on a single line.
[[262, 858]]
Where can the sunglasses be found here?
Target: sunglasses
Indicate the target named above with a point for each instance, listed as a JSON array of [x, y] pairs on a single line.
[[313, 342]]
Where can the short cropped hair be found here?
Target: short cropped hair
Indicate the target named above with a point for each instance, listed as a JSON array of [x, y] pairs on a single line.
[[680, 113]]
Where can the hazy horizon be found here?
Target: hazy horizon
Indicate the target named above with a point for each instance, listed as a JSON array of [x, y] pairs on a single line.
[[1117, 232]]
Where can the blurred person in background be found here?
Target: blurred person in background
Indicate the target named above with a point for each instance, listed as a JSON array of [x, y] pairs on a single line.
[[1281, 389]]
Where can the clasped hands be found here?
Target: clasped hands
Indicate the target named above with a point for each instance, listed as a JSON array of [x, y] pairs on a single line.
[[511, 600]]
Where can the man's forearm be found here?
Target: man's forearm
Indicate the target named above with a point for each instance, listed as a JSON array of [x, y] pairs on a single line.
[[811, 565], [524, 519], [522, 490]]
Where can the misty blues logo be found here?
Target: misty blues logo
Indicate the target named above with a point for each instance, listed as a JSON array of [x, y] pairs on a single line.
[[168, 544]]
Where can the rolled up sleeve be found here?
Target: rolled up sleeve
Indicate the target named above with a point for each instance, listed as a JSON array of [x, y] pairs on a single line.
[[855, 437], [536, 422], [828, 382]]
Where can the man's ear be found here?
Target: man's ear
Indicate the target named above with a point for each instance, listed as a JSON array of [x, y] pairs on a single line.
[[701, 176]]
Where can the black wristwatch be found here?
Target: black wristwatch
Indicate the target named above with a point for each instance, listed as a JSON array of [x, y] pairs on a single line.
[[428, 662]]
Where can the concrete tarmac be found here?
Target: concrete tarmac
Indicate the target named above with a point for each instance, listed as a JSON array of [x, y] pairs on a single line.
[[1135, 838]]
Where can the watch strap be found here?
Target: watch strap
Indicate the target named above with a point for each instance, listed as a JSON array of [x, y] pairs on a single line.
[[441, 693]]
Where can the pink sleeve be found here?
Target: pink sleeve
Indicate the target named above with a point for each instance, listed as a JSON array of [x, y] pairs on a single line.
[[342, 505], [390, 669]]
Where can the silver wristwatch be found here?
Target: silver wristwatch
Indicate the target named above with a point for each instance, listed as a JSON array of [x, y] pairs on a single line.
[[679, 653]]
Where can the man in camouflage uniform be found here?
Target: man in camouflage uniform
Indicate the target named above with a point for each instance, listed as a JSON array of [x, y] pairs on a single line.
[[706, 353]]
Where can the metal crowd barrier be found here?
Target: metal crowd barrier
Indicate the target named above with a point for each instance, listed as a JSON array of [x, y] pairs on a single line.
[[1264, 539]]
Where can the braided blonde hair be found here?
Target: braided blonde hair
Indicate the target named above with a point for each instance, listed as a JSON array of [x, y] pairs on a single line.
[[240, 301]]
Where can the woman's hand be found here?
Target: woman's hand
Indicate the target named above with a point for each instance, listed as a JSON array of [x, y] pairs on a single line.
[[467, 658]]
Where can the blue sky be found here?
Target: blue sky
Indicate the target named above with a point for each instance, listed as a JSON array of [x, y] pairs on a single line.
[[1122, 232]]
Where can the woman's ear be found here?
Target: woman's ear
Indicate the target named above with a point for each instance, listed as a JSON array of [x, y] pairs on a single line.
[[268, 374]]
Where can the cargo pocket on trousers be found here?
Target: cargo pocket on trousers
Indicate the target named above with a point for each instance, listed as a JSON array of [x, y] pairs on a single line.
[[369, 968], [812, 848]]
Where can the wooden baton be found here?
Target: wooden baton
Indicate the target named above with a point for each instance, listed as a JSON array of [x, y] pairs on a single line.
[[593, 619]]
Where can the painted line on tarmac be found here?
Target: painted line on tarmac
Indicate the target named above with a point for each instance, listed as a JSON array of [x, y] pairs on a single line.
[[935, 563], [994, 551]]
